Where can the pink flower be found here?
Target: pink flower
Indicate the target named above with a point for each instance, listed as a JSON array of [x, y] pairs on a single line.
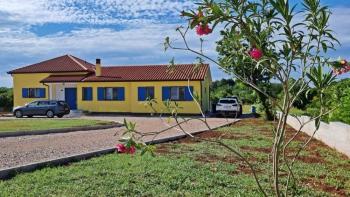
[[132, 150], [203, 30], [255, 53], [121, 148]]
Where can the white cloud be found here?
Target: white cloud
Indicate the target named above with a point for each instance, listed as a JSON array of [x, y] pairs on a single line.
[[96, 12]]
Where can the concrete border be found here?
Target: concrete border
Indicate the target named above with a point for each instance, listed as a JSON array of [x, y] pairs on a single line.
[[64, 130], [8, 173]]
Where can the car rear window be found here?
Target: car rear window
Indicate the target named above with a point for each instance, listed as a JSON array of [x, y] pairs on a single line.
[[53, 103], [228, 101]]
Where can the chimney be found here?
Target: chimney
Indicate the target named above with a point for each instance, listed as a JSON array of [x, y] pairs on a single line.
[[98, 68]]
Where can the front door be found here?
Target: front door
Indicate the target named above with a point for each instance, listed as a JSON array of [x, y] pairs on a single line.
[[71, 97]]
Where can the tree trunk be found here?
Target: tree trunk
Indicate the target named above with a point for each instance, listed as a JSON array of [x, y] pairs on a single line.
[[267, 106]]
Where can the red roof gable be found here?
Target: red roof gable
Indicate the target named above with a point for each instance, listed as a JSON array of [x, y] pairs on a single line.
[[66, 63], [181, 72]]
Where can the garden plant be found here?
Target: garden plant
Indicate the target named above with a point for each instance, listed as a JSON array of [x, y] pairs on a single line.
[[282, 42]]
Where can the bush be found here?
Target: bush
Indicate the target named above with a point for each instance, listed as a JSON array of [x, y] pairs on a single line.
[[341, 95], [6, 99], [339, 98]]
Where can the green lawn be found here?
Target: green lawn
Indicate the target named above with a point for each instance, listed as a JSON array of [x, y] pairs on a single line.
[[189, 168], [43, 124]]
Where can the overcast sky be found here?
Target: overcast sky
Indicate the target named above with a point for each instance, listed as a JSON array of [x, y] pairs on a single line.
[[117, 31]]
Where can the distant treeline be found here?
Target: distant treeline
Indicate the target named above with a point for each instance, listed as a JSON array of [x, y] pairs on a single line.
[[6, 99], [338, 94]]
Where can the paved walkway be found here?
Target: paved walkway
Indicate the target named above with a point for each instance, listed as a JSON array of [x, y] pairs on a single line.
[[16, 151]]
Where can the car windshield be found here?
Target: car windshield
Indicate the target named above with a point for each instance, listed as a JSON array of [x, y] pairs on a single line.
[[228, 101]]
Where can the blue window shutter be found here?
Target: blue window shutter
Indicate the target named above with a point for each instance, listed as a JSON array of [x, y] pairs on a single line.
[[100, 94], [89, 94], [165, 93], [188, 96], [42, 92], [152, 92], [142, 93], [25, 93], [120, 94]]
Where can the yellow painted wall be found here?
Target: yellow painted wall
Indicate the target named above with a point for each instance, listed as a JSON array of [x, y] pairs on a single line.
[[27, 81], [131, 103], [31, 80], [206, 105]]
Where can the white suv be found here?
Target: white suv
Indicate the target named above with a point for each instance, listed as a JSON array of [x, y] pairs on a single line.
[[229, 106]]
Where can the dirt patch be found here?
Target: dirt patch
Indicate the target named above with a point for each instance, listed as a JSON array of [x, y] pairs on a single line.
[[311, 159], [163, 149], [324, 187], [210, 158], [241, 166], [214, 135], [257, 149]]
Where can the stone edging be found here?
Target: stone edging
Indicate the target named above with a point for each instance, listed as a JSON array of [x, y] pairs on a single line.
[[8, 173], [64, 130]]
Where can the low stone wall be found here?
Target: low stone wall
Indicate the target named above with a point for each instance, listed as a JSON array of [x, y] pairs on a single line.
[[334, 134]]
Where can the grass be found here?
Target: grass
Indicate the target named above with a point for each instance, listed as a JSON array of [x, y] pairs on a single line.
[[44, 124], [190, 168]]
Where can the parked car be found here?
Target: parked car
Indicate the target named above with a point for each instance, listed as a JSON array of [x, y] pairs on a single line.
[[49, 108], [229, 106]]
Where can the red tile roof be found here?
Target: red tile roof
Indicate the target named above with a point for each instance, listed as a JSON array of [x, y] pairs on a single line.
[[151, 73], [69, 63], [66, 63], [63, 78]]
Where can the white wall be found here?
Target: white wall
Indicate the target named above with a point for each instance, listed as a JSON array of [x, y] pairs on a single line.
[[334, 134], [59, 90]]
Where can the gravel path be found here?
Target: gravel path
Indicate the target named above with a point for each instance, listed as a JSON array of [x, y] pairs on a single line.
[[16, 151]]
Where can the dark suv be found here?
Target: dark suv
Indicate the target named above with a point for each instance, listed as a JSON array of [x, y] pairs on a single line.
[[49, 108]]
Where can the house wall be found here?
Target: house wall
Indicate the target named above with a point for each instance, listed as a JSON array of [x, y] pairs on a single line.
[[206, 93], [27, 81], [32, 80], [131, 103]]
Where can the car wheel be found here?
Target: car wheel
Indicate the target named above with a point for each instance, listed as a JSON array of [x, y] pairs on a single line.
[[30, 116], [50, 114], [18, 114], [60, 116]]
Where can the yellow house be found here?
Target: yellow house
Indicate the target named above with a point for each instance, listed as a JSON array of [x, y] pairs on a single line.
[[122, 89]]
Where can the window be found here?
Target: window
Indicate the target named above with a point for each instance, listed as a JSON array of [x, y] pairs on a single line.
[[177, 93], [33, 92], [43, 103], [87, 93], [145, 93], [228, 101], [33, 104], [111, 94]]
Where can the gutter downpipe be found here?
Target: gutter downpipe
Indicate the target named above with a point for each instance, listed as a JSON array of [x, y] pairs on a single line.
[[48, 91]]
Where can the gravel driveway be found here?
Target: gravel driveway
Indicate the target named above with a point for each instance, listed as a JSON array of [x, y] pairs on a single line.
[[16, 151]]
